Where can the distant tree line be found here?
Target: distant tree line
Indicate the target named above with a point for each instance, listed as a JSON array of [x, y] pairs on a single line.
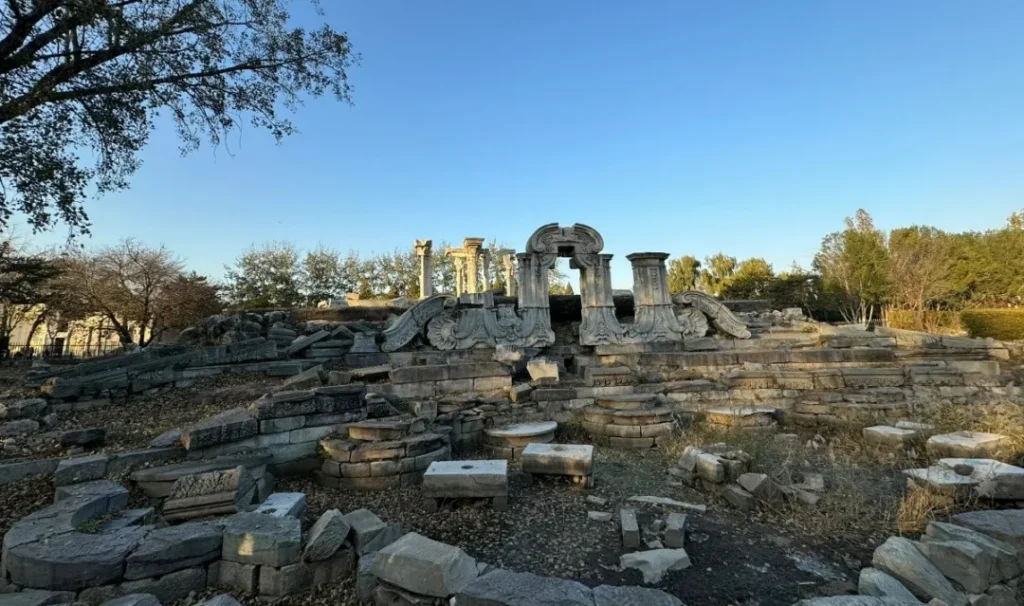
[[861, 272]]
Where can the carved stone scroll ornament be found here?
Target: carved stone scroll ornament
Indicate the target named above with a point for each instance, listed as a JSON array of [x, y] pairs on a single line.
[[693, 322], [720, 316], [441, 331], [412, 322]]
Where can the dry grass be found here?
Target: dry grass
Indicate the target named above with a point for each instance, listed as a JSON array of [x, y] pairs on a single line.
[[918, 507], [1004, 419]]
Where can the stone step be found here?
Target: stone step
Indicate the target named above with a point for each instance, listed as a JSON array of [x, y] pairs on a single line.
[[158, 481], [636, 401], [743, 416], [598, 415], [372, 431]]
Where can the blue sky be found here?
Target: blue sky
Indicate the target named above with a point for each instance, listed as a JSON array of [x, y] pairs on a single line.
[[751, 128]]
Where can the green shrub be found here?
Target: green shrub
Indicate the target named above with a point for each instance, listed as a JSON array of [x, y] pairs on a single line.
[[1002, 324], [935, 321]]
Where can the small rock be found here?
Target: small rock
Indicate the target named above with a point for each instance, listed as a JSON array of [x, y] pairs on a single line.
[[84, 437], [599, 501], [167, 439], [655, 563], [599, 516], [326, 536]]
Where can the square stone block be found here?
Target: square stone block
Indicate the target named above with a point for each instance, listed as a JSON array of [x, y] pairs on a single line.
[[466, 479], [559, 459]]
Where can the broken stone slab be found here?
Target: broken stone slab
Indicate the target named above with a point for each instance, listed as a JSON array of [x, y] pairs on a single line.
[[210, 493], [655, 563], [72, 561], [284, 504], [365, 527], [223, 599], [302, 343], [84, 437], [738, 497], [366, 582], [892, 437], [966, 444], [254, 538], [1005, 525], [157, 482], [630, 528], [962, 561], [31, 408], [874, 582], [1009, 560], [173, 548], [326, 536], [675, 530], [230, 426], [170, 587], [653, 500], [167, 439], [941, 480], [542, 370], [599, 516], [742, 416], [596, 500], [35, 597], [307, 379], [424, 566], [134, 599], [995, 479], [21, 427], [558, 459], [520, 392], [80, 469], [608, 595], [506, 588], [761, 486], [901, 559]]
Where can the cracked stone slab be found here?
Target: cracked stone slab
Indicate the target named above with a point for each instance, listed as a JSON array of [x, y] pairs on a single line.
[[466, 479], [255, 538]]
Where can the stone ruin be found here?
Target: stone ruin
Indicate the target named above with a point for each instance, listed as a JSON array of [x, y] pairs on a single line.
[[385, 398]]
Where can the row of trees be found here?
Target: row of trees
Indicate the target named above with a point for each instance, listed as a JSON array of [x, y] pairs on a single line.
[[862, 270], [139, 292]]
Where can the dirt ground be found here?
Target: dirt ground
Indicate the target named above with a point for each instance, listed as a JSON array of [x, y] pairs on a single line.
[[764, 558]]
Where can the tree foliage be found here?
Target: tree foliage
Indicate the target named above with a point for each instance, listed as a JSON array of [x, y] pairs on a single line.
[[683, 273], [918, 269], [716, 273], [853, 264], [266, 276], [83, 81]]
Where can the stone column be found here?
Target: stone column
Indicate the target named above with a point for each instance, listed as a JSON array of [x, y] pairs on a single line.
[[508, 260], [534, 303], [423, 251], [485, 256], [654, 317], [600, 326], [471, 248], [460, 275]]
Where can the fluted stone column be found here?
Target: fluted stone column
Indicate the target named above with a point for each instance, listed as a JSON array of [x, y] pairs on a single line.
[[471, 250], [508, 260], [599, 326], [423, 250], [534, 303], [654, 318], [460, 275]]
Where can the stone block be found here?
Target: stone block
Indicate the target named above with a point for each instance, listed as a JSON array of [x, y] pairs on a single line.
[[965, 444], [889, 437], [653, 564], [505, 588], [326, 536], [608, 595], [253, 538], [285, 580], [675, 530], [72, 561], [424, 566], [284, 504], [761, 486], [366, 581], [901, 559], [365, 526], [32, 408], [230, 426], [874, 582], [80, 469], [1004, 525], [337, 567], [35, 597], [542, 370], [558, 459], [738, 497], [476, 370], [90, 436], [171, 587], [243, 577], [630, 528], [132, 599], [419, 374], [466, 479], [282, 424], [1009, 562], [962, 561], [173, 548]]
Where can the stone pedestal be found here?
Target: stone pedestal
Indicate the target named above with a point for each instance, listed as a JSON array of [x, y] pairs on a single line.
[[654, 317], [600, 326], [534, 305]]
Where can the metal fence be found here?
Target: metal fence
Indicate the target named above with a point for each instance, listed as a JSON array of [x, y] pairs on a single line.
[[59, 351]]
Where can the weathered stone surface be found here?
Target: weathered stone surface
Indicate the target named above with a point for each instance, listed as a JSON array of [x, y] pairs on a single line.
[[304, 342], [653, 564], [174, 548], [223, 599], [326, 536], [630, 528], [995, 479], [900, 558], [134, 599], [80, 469], [506, 588], [33, 597], [366, 581], [424, 566], [874, 582], [599, 516], [254, 538], [1008, 559], [520, 392], [12, 472], [210, 493], [558, 459], [21, 427], [127, 460], [965, 444], [84, 437], [542, 370], [167, 439], [675, 530], [1005, 525], [466, 479], [306, 379], [608, 595], [894, 437], [170, 587], [284, 504], [31, 408], [243, 577], [230, 426], [855, 600], [738, 497], [365, 526], [286, 580], [654, 500], [72, 561], [961, 561]]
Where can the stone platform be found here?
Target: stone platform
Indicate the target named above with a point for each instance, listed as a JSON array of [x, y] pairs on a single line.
[[467, 479], [574, 460], [378, 455], [509, 441], [634, 421]]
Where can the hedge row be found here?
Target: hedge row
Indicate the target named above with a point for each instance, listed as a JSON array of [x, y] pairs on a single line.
[[932, 321], [1001, 324]]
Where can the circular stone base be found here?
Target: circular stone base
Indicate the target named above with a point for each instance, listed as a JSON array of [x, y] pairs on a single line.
[[508, 442]]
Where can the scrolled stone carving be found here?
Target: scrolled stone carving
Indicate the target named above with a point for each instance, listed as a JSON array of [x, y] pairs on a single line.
[[412, 322], [693, 322], [441, 331], [720, 316], [550, 239]]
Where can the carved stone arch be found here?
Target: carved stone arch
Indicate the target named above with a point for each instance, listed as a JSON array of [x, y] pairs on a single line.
[[580, 242]]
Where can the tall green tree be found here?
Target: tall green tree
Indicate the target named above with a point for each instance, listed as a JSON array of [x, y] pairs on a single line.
[[268, 276], [752, 279], [82, 82], [716, 273], [683, 273], [918, 269], [322, 275], [853, 264]]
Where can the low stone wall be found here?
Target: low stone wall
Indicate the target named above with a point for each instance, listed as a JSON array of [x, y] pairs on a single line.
[[444, 379]]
